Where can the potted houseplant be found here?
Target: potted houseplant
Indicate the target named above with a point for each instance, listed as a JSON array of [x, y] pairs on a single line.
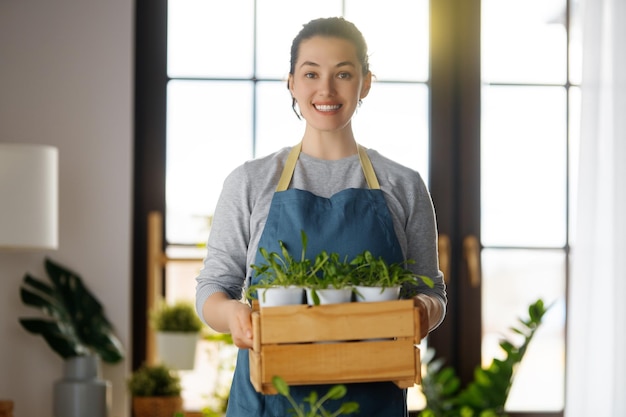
[[376, 280], [332, 283], [76, 328], [282, 277], [156, 391], [177, 328]]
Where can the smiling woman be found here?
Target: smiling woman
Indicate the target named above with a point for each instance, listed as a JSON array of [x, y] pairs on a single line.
[[343, 197]]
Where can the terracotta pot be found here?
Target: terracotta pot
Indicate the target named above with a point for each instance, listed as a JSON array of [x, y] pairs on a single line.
[[157, 406], [6, 408]]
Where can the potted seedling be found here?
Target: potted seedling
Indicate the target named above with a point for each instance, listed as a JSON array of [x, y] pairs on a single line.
[[332, 283], [177, 332], [376, 280], [282, 277], [156, 391]]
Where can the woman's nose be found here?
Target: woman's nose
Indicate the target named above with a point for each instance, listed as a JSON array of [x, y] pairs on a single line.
[[327, 85]]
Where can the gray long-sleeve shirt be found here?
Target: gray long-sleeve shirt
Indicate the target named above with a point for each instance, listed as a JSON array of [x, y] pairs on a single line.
[[245, 200]]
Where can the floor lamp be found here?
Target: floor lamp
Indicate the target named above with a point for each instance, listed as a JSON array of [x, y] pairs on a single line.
[[28, 204]]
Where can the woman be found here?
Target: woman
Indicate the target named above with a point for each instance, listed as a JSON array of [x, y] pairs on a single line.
[[326, 194]]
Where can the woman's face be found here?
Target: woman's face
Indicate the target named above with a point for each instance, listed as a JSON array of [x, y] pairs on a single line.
[[328, 82]]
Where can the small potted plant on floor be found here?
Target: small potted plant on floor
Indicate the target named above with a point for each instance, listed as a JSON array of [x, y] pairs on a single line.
[[156, 391], [177, 328]]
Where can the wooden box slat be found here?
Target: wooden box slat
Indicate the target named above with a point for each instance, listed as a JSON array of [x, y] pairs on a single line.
[[348, 321]]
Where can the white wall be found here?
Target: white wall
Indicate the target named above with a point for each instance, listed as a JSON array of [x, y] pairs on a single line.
[[66, 79]]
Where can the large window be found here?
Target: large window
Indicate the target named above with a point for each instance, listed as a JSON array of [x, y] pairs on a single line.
[[227, 99]]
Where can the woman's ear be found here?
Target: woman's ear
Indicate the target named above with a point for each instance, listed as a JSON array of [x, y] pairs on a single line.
[[367, 84], [290, 84]]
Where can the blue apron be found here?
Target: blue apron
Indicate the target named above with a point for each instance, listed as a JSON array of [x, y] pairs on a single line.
[[349, 222]]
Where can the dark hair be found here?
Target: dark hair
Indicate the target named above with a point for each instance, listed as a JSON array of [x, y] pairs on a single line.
[[332, 27]]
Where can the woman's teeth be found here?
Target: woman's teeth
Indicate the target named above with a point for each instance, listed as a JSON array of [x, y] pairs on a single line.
[[327, 107]]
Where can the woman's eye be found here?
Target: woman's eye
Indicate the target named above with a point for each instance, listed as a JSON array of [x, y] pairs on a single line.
[[344, 75], [309, 75]]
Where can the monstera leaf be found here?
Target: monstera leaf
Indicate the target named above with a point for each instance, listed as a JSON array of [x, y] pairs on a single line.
[[76, 323]]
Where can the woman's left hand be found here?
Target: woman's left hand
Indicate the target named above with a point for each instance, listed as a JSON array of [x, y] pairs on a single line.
[[423, 313]]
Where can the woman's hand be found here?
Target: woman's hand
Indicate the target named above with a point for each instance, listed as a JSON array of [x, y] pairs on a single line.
[[240, 324], [431, 313], [225, 315], [424, 318]]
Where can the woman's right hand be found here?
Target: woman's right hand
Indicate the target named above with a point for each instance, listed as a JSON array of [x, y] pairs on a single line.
[[240, 324], [226, 315]]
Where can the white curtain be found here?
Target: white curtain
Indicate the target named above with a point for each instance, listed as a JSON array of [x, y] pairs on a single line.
[[596, 362]]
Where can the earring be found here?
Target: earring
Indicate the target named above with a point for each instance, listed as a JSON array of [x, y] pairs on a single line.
[[360, 102]]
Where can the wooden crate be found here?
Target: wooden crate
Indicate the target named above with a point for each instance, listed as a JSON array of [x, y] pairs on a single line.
[[336, 344]]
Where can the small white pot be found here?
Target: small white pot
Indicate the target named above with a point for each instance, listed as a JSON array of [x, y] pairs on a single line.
[[279, 296], [330, 295], [177, 349], [370, 294]]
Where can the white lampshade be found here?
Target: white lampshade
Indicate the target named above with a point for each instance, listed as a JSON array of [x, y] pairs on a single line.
[[29, 207]]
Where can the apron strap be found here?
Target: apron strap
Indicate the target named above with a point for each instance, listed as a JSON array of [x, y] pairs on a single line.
[[290, 166], [292, 159], [368, 169]]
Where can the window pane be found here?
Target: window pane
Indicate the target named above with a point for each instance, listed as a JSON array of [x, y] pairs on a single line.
[[523, 166], [524, 41], [277, 125], [278, 22], [397, 36], [576, 43], [399, 132], [193, 28], [512, 280], [574, 148], [209, 133]]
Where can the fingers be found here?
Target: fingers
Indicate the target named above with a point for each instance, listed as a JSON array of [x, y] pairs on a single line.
[[424, 318], [241, 326]]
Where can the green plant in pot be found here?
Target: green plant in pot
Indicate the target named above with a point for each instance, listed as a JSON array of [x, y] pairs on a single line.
[[76, 328], [376, 280], [177, 328], [331, 282], [156, 391], [282, 276]]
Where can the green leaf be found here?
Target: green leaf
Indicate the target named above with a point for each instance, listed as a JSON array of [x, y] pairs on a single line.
[[281, 386], [78, 318], [337, 392], [60, 338]]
